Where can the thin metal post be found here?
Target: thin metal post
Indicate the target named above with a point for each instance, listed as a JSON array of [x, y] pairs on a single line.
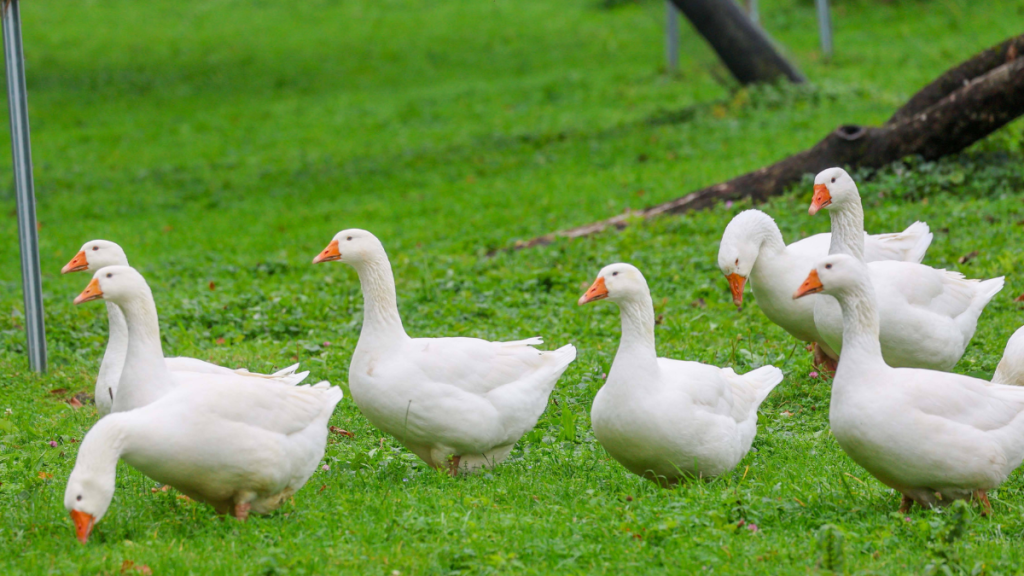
[[824, 26], [672, 16], [755, 16], [17, 99]]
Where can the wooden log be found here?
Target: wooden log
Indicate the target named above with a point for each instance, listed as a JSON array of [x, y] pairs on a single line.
[[963, 116], [743, 46]]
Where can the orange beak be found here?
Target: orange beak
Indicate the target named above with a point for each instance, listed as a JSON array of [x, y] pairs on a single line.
[[597, 291], [77, 264], [83, 525], [91, 292], [821, 199], [736, 283], [329, 254], [812, 285]]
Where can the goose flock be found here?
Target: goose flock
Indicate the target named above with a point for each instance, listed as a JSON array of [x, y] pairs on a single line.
[[889, 328]]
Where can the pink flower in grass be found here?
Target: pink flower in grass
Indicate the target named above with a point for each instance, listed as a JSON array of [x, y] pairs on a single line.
[[813, 374], [53, 443]]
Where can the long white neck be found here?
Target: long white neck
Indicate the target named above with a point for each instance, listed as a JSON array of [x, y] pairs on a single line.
[[102, 447], [848, 230], [381, 321], [113, 358], [860, 328], [765, 233], [96, 463], [637, 352], [144, 377]]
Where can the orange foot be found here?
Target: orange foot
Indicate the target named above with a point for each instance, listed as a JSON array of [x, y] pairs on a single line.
[[986, 507]]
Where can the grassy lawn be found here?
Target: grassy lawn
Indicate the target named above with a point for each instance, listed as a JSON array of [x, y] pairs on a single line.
[[224, 143]]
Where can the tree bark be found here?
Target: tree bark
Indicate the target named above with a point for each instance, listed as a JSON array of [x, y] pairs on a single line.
[[964, 115], [954, 78], [745, 49]]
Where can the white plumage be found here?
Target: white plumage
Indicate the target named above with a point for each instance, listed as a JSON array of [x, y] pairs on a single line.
[[1011, 367], [928, 316], [931, 435], [98, 254], [460, 403], [235, 442], [752, 248], [668, 419]]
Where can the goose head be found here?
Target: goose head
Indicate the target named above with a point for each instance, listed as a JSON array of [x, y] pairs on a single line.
[[87, 497], [741, 244], [616, 283], [835, 275], [118, 284], [94, 255], [833, 188], [352, 246]]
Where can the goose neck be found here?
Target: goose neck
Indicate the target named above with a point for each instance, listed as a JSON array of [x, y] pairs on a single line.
[[380, 302], [848, 230], [767, 234], [117, 344], [637, 343], [102, 447], [860, 327], [144, 377]]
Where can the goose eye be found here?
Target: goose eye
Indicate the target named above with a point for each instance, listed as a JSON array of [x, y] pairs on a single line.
[[349, 238], [615, 273], [828, 266], [79, 498], [833, 180], [95, 248], [110, 274]]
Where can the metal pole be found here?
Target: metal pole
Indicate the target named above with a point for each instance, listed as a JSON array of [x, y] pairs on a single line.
[[755, 16], [824, 26], [17, 100], [671, 36]]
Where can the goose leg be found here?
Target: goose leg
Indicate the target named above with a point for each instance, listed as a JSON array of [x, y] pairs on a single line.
[[986, 506], [823, 361], [453, 466], [241, 511], [906, 504]]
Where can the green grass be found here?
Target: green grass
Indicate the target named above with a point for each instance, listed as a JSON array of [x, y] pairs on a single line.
[[224, 143]]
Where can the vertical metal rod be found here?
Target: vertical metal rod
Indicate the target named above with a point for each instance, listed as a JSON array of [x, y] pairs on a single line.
[[17, 100], [824, 26], [755, 16], [672, 16]]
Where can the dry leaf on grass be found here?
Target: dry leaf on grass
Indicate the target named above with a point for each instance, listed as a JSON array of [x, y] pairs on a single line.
[[342, 432], [140, 568]]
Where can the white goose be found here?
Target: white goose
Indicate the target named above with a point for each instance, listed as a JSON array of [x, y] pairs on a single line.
[[752, 247], [102, 253], [1011, 367], [237, 443], [457, 403], [933, 436], [928, 316], [667, 419]]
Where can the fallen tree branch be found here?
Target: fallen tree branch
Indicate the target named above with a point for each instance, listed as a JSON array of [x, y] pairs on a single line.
[[949, 124], [954, 78]]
